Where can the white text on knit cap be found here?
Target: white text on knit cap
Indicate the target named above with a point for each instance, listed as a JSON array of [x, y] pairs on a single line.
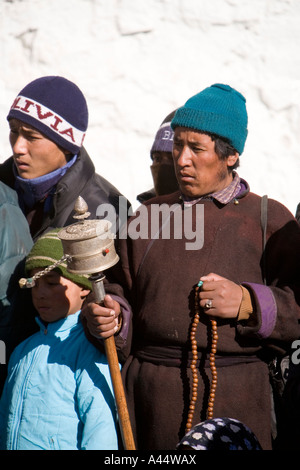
[[50, 119], [166, 132]]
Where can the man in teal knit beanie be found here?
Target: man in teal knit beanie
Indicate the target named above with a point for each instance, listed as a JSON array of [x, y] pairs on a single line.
[[206, 317]]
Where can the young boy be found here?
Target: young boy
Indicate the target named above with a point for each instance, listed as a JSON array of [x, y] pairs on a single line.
[[58, 393]]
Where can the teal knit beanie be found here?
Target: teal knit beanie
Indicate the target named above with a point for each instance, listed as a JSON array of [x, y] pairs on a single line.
[[46, 253], [220, 110]]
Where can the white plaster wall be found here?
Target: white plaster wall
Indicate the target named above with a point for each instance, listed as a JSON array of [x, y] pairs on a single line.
[[137, 60]]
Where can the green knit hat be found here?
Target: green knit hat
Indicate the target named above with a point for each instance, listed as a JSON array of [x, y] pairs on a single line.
[[47, 252], [220, 110]]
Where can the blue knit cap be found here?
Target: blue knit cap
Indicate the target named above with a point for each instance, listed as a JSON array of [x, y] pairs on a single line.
[[220, 110], [55, 107]]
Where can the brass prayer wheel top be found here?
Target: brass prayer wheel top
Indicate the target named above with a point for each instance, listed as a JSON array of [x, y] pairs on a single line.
[[88, 243], [86, 230]]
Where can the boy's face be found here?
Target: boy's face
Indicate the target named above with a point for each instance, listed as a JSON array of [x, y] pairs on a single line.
[[56, 297]]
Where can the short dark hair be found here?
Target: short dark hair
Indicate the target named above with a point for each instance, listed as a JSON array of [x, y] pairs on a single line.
[[223, 149]]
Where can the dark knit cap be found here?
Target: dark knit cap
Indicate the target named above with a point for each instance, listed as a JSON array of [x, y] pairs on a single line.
[[46, 252], [220, 434], [55, 107], [163, 141], [220, 110]]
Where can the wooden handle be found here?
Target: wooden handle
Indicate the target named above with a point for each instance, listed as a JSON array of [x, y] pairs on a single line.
[[113, 362], [115, 374]]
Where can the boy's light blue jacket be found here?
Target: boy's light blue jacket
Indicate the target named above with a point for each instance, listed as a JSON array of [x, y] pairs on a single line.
[[58, 393]]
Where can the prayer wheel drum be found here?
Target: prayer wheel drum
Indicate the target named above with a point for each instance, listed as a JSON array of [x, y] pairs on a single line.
[[89, 243]]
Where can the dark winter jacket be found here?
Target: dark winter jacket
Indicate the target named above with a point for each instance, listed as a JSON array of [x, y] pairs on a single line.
[[80, 180]]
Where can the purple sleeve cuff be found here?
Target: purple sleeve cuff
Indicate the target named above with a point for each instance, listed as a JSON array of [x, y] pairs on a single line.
[[126, 314], [266, 308]]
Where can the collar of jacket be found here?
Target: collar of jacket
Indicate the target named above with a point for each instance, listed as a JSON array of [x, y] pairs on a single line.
[[82, 170], [237, 189], [60, 328], [146, 195]]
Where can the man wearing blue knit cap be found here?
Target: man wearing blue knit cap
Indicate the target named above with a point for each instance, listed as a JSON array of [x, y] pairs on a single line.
[[49, 167], [162, 167], [207, 320]]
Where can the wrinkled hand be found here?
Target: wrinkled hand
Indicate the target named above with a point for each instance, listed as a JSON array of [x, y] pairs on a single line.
[[102, 320], [226, 296]]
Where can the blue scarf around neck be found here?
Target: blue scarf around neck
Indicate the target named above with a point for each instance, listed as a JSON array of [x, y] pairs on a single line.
[[31, 191]]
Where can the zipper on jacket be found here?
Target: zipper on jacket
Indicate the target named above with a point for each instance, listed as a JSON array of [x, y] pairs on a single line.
[[19, 406]]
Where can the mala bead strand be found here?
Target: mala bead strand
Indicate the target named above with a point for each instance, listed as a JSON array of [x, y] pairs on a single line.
[[212, 363], [194, 364]]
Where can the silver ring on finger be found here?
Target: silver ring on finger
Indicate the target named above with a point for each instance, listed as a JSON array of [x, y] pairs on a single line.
[[208, 303]]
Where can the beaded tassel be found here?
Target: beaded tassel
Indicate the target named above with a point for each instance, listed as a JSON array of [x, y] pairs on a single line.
[[194, 361]]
